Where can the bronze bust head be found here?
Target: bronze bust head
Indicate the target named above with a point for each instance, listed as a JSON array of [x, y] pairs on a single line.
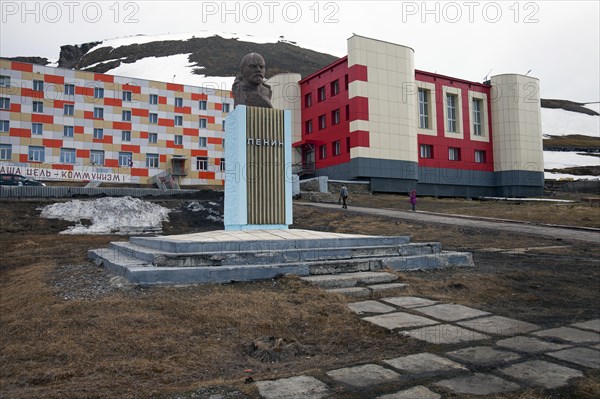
[[249, 87]]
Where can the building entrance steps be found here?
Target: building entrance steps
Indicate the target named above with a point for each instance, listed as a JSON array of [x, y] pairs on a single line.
[[225, 256]]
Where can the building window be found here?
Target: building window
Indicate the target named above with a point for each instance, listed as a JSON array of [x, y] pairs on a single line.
[[178, 140], [201, 141], [38, 106], [126, 115], [97, 157], [347, 111], [321, 93], [222, 164], [337, 148], [153, 99], [223, 143], [323, 151], [479, 156], [225, 107], [152, 118], [454, 154], [37, 154], [125, 135], [68, 109], [178, 102], [98, 133], [322, 122], [307, 100], [127, 96], [223, 126], [426, 151], [346, 82], [424, 108], [5, 103], [98, 92], [67, 155], [201, 163], [99, 113], [203, 123], [152, 138], [5, 126], [202, 105], [477, 116], [38, 85], [178, 120], [152, 161], [125, 159], [37, 128], [69, 89], [451, 102], [335, 117], [308, 127], [4, 81], [347, 144], [6, 152], [68, 131], [335, 87]]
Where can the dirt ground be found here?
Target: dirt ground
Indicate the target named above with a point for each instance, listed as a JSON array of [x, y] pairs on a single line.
[[69, 330]]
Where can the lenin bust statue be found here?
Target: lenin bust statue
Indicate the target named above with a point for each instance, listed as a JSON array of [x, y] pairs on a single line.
[[249, 87]]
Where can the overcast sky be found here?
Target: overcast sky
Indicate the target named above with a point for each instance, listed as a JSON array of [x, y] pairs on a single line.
[[557, 40]]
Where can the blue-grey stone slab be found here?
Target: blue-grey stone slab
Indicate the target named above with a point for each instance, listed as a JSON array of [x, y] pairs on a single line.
[[301, 387], [451, 312], [483, 356], [528, 344], [418, 392], [592, 325], [541, 373], [443, 334], [498, 325], [395, 320], [409, 302], [570, 334], [369, 307], [425, 364], [364, 376], [585, 357], [478, 384]]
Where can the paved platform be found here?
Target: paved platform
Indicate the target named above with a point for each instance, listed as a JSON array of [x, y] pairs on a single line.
[[466, 362]]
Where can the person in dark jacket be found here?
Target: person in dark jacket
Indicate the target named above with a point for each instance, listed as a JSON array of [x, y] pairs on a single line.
[[344, 196], [412, 198]]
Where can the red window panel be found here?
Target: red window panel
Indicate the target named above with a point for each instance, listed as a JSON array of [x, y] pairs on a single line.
[[206, 175], [62, 166], [15, 107], [23, 158], [171, 144], [163, 158], [166, 122], [359, 108], [121, 125], [59, 80], [111, 163], [357, 72], [174, 87], [219, 106], [84, 91], [132, 88], [199, 96], [143, 135], [107, 139], [113, 102], [188, 131], [26, 92], [139, 172], [214, 140], [104, 78], [359, 138], [199, 153], [21, 66], [83, 153], [88, 115], [18, 132], [209, 119], [41, 118], [140, 112], [183, 110], [78, 129], [60, 104], [162, 100], [52, 143]]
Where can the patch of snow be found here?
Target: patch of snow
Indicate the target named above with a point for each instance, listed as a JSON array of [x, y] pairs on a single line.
[[141, 39], [102, 62], [174, 68], [211, 214], [559, 122], [566, 176], [569, 159], [110, 215], [593, 107]]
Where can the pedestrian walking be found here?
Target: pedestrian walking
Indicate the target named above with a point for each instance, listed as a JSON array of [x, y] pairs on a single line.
[[413, 199], [344, 196]]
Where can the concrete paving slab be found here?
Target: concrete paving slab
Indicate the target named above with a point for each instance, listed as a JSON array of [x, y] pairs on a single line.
[[527, 344], [444, 334], [395, 320], [451, 312], [592, 325], [570, 334], [357, 292], [418, 392], [498, 325], [425, 364], [301, 387], [364, 376], [483, 356], [409, 302], [595, 347], [389, 286], [585, 357], [478, 384], [369, 307], [541, 373]]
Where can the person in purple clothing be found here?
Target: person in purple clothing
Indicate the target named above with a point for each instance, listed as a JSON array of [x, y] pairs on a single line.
[[413, 199]]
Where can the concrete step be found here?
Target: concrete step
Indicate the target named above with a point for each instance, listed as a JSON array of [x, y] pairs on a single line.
[[433, 261], [289, 255], [344, 280], [361, 292]]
